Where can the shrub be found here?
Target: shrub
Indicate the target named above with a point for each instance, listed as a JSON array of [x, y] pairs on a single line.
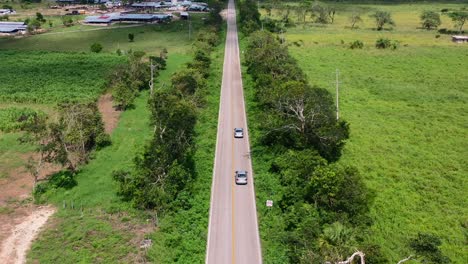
[[131, 37], [67, 21], [357, 44], [437, 36], [430, 19], [15, 119], [384, 43], [96, 47], [427, 246]]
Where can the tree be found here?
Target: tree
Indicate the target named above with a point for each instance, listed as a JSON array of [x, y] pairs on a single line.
[[78, 131], [321, 13], [459, 18], [307, 114], [128, 79], [382, 18], [164, 168], [131, 37], [40, 17], [33, 25], [355, 18], [426, 247], [96, 47], [185, 82], [37, 134], [67, 21], [430, 20]]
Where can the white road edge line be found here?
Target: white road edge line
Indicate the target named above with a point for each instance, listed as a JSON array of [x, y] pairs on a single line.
[[250, 155], [216, 155]]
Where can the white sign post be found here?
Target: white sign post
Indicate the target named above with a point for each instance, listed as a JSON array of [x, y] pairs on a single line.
[[269, 203]]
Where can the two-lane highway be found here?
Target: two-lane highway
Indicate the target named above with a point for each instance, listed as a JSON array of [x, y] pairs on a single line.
[[233, 228]]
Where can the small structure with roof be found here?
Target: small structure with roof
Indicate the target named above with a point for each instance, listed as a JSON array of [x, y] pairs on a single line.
[[7, 12], [12, 28], [460, 39], [127, 18], [184, 15]]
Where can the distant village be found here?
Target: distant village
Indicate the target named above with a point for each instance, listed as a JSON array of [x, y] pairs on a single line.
[[105, 13]]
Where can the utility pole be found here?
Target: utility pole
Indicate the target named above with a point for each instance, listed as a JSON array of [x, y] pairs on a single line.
[[151, 82], [190, 29], [337, 84]]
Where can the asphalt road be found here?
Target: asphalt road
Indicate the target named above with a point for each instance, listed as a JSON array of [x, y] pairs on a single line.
[[233, 228]]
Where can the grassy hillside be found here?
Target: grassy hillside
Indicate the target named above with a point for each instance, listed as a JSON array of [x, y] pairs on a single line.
[[407, 110]]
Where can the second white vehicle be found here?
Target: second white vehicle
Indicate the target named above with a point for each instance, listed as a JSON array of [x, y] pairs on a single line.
[[238, 132]]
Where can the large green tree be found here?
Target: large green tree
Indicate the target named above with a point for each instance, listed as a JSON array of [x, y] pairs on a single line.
[[459, 18], [382, 18], [430, 19]]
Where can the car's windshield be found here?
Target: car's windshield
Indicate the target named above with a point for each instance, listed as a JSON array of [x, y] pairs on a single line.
[[238, 129], [242, 175]]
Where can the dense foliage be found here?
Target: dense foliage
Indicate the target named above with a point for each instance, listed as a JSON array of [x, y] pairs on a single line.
[[165, 168], [127, 80], [51, 77], [324, 206], [298, 116]]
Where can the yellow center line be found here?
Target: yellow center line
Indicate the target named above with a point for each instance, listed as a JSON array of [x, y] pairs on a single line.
[[232, 204], [232, 185]]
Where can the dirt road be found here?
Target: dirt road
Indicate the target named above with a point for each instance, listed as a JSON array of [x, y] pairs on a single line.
[[14, 248], [233, 228]]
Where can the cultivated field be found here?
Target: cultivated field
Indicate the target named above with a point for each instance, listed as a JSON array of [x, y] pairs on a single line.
[[407, 111], [51, 77]]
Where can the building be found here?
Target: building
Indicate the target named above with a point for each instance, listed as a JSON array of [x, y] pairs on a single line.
[[67, 2], [460, 39], [148, 5], [197, 7], [184, 15], [7, 12], [127, 18], [12, 28]]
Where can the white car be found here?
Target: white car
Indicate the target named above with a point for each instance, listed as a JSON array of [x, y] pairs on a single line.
[[238, 132], [241, 177]]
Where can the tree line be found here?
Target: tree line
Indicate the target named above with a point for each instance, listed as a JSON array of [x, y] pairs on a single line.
[[164, 170], [324, 205]]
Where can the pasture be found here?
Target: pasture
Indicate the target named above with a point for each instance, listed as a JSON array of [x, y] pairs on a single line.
[[407, 112]]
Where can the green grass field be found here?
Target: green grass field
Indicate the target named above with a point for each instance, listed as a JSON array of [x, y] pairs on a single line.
[[407, 110]]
